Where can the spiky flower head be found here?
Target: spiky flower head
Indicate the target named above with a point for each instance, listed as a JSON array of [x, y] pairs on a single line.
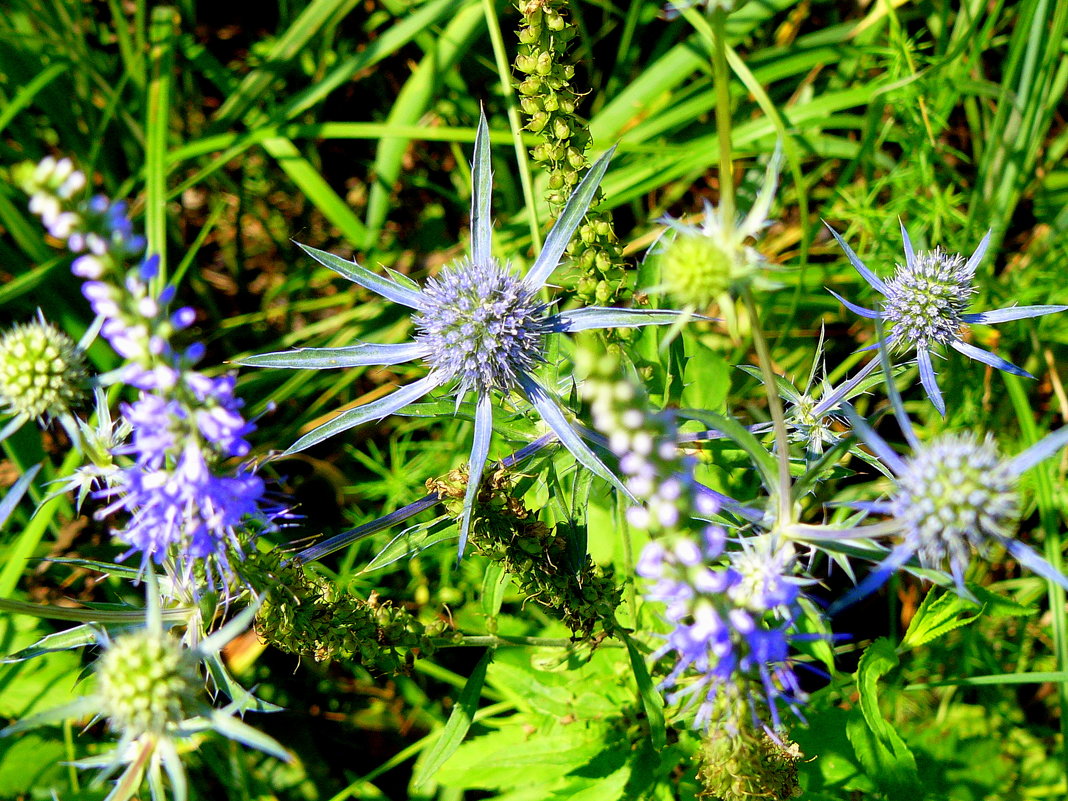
[[701, 264], [147, 682], [482, 325], [42, 371], [927, 297], [956, 494]]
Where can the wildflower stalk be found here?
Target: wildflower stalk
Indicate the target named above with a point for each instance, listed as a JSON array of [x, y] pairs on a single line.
[[778, 417], [721, 76]]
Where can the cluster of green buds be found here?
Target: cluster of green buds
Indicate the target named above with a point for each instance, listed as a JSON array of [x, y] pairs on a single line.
[[43, 373], [307, 615], [742, 762], [549, 101], [505, 531]]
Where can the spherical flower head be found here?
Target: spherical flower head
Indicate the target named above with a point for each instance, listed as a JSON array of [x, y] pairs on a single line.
[[42, 372], [147, 681], [701, 265], [927, 297], [955, 494], [481, 325]]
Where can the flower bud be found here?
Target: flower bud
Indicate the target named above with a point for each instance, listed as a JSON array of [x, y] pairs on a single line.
[[42, 371], [147, 682]]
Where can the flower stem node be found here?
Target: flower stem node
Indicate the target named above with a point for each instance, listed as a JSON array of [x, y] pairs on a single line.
[[147, 682], [42, 372]]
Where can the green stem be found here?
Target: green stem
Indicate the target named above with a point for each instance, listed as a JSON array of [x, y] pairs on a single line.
[[721, 76], [778, 418], [495, 640], [1048, 514], [504, 72]]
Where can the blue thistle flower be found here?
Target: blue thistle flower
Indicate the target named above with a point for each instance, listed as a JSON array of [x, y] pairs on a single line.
[[953, 496], [925, 303], [479, 328]]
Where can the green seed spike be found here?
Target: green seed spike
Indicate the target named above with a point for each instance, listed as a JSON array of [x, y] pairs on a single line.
[[548, 100]]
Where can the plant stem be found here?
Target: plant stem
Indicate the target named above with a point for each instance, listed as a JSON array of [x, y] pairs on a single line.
[[721, 76], [494, 640], [778, 418]]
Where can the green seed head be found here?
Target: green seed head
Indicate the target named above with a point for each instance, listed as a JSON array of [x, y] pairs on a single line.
[[700, 266], [42, 371], [147, 682]]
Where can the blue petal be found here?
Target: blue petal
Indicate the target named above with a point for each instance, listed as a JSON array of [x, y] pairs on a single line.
[[831, 401], [986, 357], [874, 580], [910, 254], [14, 495], [481, 192], [367, 279], [560, 235], [930, 380], [873, 440], [871, 315], [370, 411], [601, 317], [1012, 313], [1030, 559], [476, 464], [550, 411], [977, 255], [346, 538], [328, 358], [895, 396], [1043, 449], [873, 280]]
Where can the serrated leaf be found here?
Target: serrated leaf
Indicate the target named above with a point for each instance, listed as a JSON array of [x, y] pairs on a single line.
[[998, 605], [938, 615], [456, 727], [877, 744]]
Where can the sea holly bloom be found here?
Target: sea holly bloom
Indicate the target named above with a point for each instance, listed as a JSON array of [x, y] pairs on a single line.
[[702, 264], [43, 374], [953, 496], [925, 302], [149, 690], [478, 326]]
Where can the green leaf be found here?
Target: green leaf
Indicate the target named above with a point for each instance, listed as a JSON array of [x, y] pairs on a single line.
[[876, 742], [413, 540], [494, 582], [938, 615], [707, 380], [30, 762], [652, 703], [455, 729], [74, 637]]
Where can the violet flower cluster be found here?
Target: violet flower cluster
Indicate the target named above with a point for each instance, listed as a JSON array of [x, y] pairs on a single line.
[[731, 609], [185, 507]]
